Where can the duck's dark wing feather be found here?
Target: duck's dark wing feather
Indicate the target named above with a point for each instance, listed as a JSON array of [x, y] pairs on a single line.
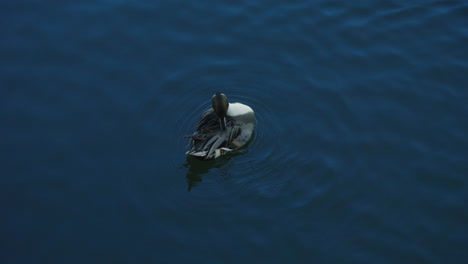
[[208, 135], [208, 122]]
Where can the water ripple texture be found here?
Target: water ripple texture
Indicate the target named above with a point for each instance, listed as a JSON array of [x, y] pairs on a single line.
[[359, 154]]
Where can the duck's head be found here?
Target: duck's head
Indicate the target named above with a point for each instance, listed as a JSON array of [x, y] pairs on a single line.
[[220, 106]]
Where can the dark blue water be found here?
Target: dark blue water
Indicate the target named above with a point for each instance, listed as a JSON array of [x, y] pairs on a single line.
[[360, 153]]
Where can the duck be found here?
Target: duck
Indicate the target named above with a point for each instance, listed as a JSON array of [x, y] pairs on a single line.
[[222, 129]]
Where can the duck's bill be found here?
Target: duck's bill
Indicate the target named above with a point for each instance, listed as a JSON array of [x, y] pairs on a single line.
[[222, 123]]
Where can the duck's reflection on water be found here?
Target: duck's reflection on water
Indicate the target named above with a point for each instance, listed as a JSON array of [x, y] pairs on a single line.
[[197, 168]]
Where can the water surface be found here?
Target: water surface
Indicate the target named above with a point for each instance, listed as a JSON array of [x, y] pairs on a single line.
[[359, 156]]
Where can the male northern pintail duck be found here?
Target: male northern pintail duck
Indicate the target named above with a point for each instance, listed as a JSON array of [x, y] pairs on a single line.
[[222, 129]]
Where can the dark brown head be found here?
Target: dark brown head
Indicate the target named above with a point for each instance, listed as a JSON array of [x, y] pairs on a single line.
[[220, 106]]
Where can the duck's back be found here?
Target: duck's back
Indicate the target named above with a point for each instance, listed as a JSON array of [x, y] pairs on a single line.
[[209, 141]]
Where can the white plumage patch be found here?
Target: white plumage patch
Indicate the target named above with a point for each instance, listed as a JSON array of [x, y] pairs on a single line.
[[237, 109]]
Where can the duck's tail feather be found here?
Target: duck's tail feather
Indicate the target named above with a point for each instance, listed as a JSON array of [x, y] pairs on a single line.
[[207, 148], [217, 143]]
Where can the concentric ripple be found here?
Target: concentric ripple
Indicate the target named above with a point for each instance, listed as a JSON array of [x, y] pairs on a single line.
[[248, 171]]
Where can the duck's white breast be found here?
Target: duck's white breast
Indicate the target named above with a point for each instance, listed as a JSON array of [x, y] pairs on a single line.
[[238, 109]]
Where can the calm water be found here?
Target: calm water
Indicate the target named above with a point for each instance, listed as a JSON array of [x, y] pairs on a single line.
[[360, 153]]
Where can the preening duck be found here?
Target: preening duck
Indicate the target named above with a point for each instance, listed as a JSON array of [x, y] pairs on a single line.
[[222, 129]]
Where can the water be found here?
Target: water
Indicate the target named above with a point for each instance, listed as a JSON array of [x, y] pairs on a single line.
[[360, 153]]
